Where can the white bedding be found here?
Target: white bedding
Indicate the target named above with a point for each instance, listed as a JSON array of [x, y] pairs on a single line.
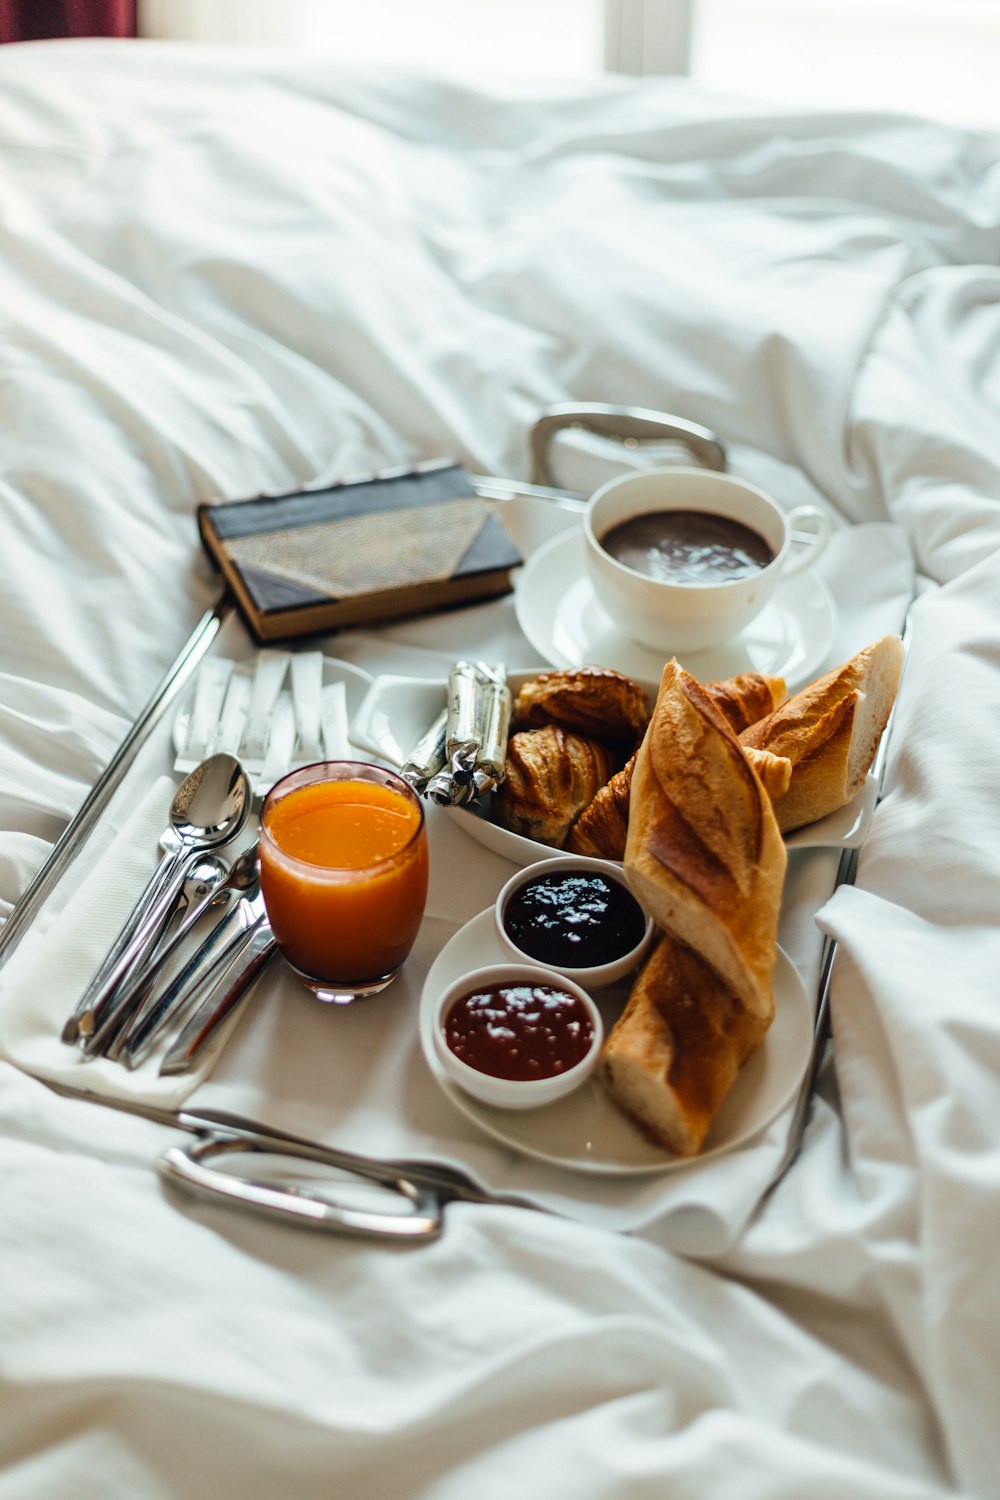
[[221, 274]]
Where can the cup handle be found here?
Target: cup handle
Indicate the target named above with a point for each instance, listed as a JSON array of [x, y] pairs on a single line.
[[811, 528]]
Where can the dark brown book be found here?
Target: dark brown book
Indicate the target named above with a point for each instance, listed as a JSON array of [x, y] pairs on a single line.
[[363, 551]]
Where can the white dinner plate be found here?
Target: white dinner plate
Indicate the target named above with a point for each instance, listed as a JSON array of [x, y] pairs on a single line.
[[586, 1132], [559, 614], [396, 711]]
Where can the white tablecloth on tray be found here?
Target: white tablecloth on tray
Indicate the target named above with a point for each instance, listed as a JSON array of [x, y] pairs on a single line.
[[223, 274]]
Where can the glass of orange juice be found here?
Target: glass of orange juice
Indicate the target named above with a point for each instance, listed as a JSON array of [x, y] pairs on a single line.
[[343, 873]]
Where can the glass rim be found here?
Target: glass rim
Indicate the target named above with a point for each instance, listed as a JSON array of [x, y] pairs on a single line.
[[301, 776]]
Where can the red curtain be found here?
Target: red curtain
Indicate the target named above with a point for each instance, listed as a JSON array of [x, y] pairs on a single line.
[[34, 20]]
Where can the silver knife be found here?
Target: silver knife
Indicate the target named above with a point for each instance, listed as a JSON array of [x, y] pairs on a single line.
[[233, 984], [219, 948]]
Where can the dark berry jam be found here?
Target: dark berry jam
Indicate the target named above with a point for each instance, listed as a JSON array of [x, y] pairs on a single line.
[[574, 919], [519, 1031]]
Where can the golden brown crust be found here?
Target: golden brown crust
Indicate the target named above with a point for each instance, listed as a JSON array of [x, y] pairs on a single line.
[[675, 1052], [550, 777], [830, 731], [774, 771], [602, 828], [704, 854], [744, 699], [597, 702]]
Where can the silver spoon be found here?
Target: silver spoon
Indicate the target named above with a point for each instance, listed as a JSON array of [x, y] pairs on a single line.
[[209, 809], [150, 1021], [204, 885]]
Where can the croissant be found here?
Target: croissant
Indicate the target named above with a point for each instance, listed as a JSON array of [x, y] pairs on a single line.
[[550, 777], [601, 828], [746, 698], [593, 701], [829, 732]]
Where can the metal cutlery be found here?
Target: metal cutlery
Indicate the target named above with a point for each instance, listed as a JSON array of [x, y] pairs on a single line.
[[253, 952], [159, 1010], [846, 875], [209, 809], [198, 891]]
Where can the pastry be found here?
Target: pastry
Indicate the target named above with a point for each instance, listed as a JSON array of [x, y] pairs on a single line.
[[550, 777], [601, 829], [593, 701]]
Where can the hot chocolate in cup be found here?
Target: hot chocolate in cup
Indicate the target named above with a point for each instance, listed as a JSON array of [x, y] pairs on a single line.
[[684, 559]]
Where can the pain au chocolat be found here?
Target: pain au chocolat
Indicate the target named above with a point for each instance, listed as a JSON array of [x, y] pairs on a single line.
[[705, 857]]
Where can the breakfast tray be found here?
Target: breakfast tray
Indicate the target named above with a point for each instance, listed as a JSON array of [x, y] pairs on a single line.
[[368, 1101]]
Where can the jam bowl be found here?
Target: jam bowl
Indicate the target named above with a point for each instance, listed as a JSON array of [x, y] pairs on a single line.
[[517, 1036], [575, 916]]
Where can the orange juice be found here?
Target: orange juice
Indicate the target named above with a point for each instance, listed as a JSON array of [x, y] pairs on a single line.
[[343, 871]]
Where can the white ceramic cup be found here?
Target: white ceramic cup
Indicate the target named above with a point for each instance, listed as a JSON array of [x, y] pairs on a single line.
[[675, 617]]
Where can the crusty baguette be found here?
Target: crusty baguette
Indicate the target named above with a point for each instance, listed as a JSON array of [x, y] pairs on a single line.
[[677, 1048], [704, 855], [830, 732]]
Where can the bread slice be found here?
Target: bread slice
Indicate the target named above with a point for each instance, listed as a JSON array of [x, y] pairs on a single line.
[[704, 855], [830, 732], [677, 1048]]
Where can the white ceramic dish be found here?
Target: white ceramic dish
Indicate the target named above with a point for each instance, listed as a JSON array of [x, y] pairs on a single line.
[[396, 711], [505, 1093], [707, 609], [585, 1132], [595, 976], [561, 617]]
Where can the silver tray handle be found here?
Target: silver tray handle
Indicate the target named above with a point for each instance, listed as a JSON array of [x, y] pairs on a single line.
[[188, 1167], [629, 424]]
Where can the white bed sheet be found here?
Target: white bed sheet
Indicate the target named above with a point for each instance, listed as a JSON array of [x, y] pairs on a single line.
[[225, 273]]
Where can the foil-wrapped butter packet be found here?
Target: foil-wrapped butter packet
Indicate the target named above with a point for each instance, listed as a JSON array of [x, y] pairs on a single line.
[[461, 756]]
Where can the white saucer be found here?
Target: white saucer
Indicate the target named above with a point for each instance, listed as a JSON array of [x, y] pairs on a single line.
[[559, 614], [586, 1132]]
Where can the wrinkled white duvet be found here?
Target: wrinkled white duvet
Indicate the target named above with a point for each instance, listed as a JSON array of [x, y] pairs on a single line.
[[223, 273]]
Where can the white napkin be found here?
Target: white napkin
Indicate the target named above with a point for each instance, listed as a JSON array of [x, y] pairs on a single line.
[[45, 976]]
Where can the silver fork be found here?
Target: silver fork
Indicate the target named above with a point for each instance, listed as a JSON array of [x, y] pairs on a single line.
[[274, 713]]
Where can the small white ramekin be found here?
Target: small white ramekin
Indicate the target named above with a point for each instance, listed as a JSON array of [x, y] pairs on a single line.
[[506, 1093], [597, 975]]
